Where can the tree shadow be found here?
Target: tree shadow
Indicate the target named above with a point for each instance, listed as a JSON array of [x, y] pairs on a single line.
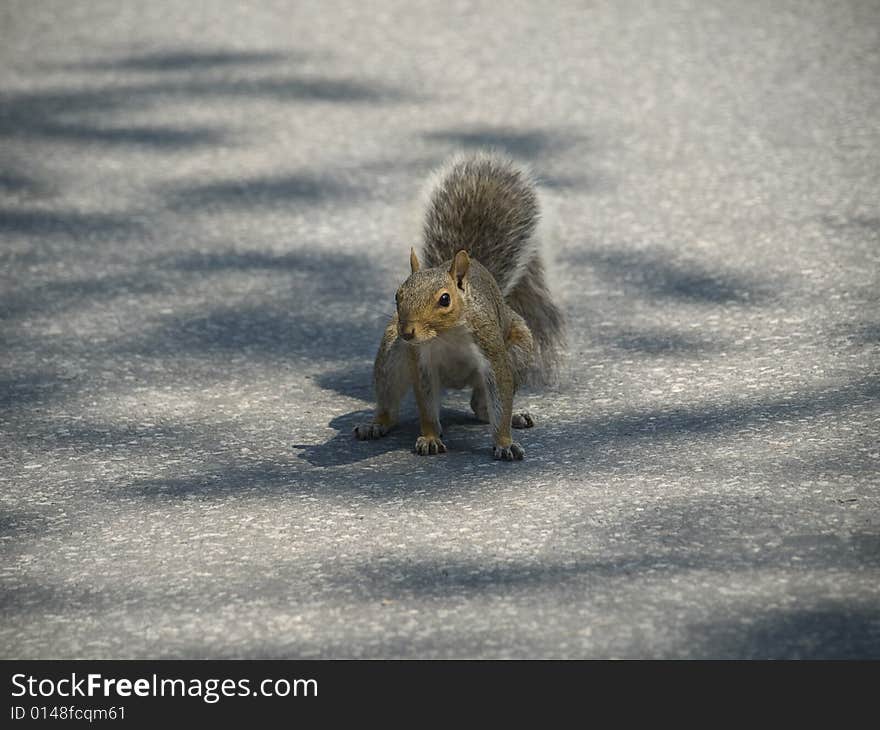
[[19, 523], [85, 115], [676, 549], [437, 577], [859, 224], [848, 457], [347, 267], [254, 477], [864, 333], [658, 343], [537, 146], [656, 274], [61, 296], [71, 224], [280, 330], [16, 183], [314, 89], [304, 310], [182, 60], [273, 191], [587, 439], [529, 144], [21, 393], [835, 631], [156, 137], [720, 418], [739, 534], [308, 312]]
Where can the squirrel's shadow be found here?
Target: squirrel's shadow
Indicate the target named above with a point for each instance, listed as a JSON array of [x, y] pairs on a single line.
[[344, 449]]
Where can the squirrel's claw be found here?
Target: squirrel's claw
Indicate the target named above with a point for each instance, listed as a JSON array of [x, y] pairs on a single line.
[[514, 452], [429, 445], [370, 430]]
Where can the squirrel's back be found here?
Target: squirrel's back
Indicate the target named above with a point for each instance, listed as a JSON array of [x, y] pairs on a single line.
[[487, 205]]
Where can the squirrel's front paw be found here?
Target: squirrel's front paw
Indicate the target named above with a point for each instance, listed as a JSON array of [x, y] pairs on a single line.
[[426, 445], [370, 430], [514, 452]]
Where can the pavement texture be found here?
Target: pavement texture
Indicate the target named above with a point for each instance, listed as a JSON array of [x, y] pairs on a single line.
[[205, 209]]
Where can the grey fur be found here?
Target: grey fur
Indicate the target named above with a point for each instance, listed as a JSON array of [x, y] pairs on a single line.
[[430, 385], [494, 408], [530, 298], [487, 205]]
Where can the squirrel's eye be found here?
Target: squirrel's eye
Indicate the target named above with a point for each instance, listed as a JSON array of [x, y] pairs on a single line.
[[444, 301]]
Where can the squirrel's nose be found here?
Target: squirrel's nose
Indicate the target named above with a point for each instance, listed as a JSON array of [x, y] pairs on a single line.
[[406, 332]]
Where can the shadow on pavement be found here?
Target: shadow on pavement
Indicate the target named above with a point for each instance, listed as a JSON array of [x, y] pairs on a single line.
[[305, 310], [14, 182], [748, 629], [528, 144], [62, 296], [719, 418], [70, 224], [182, 60], [86, 115], [538, 147], [347, 465], [841, 630], [444, 576], [285, 191], [658, 342], [657, 274], [20, 394]]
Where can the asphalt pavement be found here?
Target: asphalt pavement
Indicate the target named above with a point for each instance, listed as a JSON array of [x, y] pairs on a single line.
[[205, 209]]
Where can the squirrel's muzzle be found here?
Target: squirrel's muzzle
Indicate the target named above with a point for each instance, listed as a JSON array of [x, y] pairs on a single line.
[[406, 331]]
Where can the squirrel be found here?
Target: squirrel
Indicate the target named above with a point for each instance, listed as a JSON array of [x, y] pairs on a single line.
[[475, 311]]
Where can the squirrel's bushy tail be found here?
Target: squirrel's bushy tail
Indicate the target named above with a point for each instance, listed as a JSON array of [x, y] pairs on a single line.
[[486, 204]]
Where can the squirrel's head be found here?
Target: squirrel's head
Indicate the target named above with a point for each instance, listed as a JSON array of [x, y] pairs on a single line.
[[431, 301]]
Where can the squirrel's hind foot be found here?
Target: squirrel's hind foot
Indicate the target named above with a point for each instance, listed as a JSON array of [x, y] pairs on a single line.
[[522, 420], [370, 430], [514, 452]]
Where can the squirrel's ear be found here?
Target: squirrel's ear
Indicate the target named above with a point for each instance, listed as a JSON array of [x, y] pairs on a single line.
[[459, 268], [413, 261]]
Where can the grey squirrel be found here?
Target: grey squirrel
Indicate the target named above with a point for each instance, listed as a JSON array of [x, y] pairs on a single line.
[[475, 311]]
